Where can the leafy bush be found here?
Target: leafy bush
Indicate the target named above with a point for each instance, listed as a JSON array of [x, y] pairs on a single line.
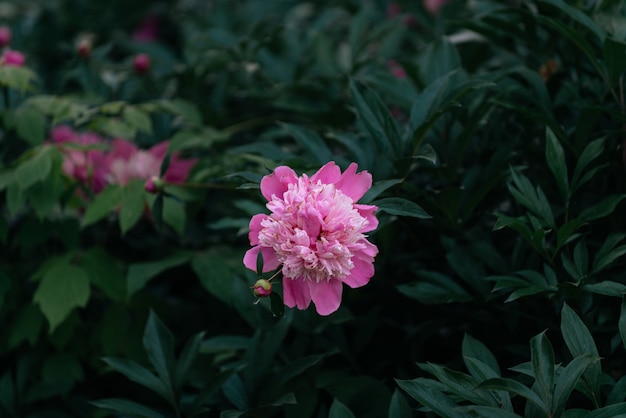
[[141, 142]]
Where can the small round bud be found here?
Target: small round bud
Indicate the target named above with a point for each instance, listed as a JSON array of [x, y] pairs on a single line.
[[5, 36], [154, 184], [12, 58], [141, 63], [83, 47], [262, 288]]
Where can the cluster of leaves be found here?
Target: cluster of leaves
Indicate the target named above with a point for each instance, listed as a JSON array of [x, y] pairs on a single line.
[[498, 174]]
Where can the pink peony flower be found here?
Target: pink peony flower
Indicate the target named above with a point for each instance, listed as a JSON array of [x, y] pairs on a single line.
[[12, 58], [84, 165], [141, 63], [5, 36], [316, 232], [125, 162], [433, 6]]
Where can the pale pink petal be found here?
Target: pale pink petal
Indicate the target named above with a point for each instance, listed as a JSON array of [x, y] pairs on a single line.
[[354, 185], [159, 150], [330, 173], [255, 228], [296, 293], [277, 182], [362, 272], [270, 262], [326, 295], [367, 211]]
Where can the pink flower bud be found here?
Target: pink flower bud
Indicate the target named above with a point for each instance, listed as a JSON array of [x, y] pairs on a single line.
[[5, 36], [154, 184], [83, 47], [262, 288], [12, 58], [141, 63]]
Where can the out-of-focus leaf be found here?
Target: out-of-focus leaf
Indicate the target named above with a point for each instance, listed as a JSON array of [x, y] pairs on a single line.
[[339, 410], [138, 374], [609, 411], [128, 408], [377, 188], [138, 119], [602, 209], [140, 273], [133, 201], [104, 202], [30, 124], [399, 407], [622, 321], [311, 142], [579, 16], [437, 288], [36, 168]]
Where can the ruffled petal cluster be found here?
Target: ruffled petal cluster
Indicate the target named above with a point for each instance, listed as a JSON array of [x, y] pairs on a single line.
[[316, 232]]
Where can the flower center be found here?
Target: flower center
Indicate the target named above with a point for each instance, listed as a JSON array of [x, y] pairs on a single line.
[[314, 230]]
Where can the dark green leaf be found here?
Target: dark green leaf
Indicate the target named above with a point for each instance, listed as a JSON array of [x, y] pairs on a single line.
[[133, 201], [592, 151], [138, 374], [618, 392], [607, 288], [311, 142], [471, 347], [516, 388], [602, 209], [399, 407], [215, 275], [158, 342], [481, 372], [460, 384], [377, 188], [611, 411], [579, 16], [400, 207], [63, 287], [186, 360], [128, 408], [105, 202], [36, 168], [567, 380], [488, 412], [434, 288], [542, 359], [30, 124], [277, 305], [140, 273], [339, 410], [235, 391], [555, 156], [428, 394]]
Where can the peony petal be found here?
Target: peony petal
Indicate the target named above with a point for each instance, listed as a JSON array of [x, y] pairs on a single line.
[[277, 182], [270, 262], [255, 228], [122, 149], [330, 173], [178, 170], [296, 293], [367, 211], [354, 185], [362, 271], [159, 150], [326, 295]]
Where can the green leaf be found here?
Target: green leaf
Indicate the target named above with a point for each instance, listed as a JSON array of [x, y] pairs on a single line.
[[606, 288], [132, 206], [440, 57], [215, 275], [138, 374], [471, 347], [128, 408], [568, 379], [377, 188], [158, 342], [618, 392], [36, 168], [277, 305], [26, 326], [481, 372], [186, 360], [614, 52], [460, 384], [399, 407], [138, 119], [542, 360], [103, 271], [140, 273], [514, 387], [555, 156], [434, 288], [174, 215], [400, 207], [63, 287], [488, 411], [21, 79], [102, 204], [376, 118], [311, 142], [5, 286], [580, 342], [339, 410], [30, 124], [532, 198], [622, 321], [578, 16], [609, 252], [602, 209], [426, 392], [186, 110], [235, 391], [611, 411]]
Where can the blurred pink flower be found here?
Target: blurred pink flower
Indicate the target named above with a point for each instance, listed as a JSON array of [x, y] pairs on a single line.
[[5, 36], [12, 58], [125, 162], [148, 29], [80, 163], [396, 69], [433, 6], [316, 232], [141, 63]]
